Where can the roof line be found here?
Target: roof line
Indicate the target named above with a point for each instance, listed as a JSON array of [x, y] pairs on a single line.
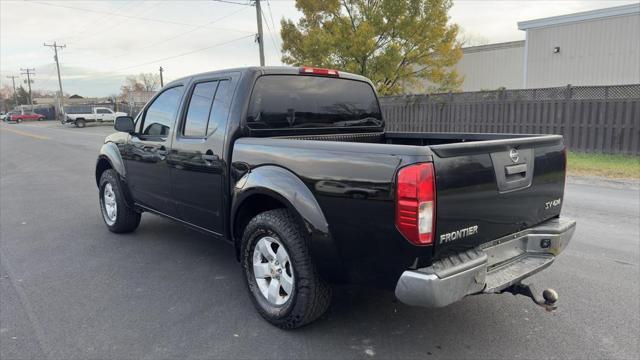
[[495, 46], [580, 16]]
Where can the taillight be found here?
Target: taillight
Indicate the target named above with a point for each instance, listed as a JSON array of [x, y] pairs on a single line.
[[416, 203], [319, 71]]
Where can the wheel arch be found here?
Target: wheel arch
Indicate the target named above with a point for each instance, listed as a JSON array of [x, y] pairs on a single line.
[[109, 158], [270, 187]]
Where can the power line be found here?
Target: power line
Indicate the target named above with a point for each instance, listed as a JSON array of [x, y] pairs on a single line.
[[185, 53], [114, 25], [81, 29], [271, 15], [180, 34], [232, 2], [271, 36], [125, 16]]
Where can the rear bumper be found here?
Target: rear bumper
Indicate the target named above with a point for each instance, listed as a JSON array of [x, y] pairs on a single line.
[[489, 268]]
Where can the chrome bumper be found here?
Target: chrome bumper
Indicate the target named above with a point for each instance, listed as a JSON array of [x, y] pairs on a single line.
[[489, 268]]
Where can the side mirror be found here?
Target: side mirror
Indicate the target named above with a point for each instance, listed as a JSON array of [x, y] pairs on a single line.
[[124, 124]]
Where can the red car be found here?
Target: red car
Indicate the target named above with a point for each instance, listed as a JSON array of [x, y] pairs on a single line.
[[26, 116]]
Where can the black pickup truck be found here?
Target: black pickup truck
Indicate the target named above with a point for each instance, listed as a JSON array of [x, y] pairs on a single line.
[[294, 168]]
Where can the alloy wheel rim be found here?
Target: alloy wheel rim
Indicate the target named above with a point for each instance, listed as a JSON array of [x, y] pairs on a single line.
[[109, 205], [273, 271]]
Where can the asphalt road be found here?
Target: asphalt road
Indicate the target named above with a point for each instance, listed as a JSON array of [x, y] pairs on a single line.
[[71, 289]]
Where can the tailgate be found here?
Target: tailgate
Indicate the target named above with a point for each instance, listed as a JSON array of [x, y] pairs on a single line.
[[488, 189]]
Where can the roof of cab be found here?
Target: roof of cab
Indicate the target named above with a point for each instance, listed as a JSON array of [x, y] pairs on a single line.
[[268, 70]]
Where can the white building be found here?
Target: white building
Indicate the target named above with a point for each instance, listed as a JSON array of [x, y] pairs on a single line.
[[599, 47]]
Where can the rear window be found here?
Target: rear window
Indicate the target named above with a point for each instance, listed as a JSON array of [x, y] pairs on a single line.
[[302, 102]]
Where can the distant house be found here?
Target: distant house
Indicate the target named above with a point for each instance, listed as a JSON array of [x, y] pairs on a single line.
[[598, 47]]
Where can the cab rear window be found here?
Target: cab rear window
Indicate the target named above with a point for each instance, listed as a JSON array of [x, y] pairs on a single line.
[[304, 102]]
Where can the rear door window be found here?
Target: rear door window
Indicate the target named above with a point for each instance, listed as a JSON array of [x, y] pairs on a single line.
[[208, 109], [220, 108], [303, 102], [195, 124]]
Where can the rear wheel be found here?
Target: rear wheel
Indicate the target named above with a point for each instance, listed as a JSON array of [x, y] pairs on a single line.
[[81, 123], [119, 216], [282, 280]]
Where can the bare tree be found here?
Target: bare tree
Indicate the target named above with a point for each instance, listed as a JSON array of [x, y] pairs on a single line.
[[150, 81], [471, 39], [139, 83]]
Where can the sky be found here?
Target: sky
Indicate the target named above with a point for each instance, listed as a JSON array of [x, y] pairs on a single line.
[[108, 40]]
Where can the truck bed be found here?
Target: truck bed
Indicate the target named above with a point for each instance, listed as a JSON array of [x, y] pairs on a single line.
[[478, 186]]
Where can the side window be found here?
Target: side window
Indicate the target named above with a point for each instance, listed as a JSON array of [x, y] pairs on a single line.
[[199, 109], [104, 111], [161, 114], [220, 108]]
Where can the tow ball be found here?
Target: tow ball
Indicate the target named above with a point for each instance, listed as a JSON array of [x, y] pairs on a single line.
[[547, 298]]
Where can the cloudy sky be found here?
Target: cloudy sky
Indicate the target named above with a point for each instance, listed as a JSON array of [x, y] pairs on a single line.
[[107, 40]]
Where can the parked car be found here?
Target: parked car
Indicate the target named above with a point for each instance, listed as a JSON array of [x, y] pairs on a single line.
[[7, 117], [97, 114], [294, 168], [25, 115]]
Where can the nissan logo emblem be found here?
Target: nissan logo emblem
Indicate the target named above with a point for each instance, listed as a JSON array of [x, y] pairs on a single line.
[[513, 154]]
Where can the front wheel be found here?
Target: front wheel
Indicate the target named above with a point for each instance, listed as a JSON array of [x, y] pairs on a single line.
[[284, 285], [119, 216]]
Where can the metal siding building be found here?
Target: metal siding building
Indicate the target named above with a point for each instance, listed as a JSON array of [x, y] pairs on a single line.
[[489, 67], [600, 47]]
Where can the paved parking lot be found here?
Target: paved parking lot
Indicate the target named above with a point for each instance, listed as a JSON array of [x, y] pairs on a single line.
[[71, 289]]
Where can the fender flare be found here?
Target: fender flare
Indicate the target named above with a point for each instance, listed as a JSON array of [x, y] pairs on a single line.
[[109, 152], [286, 187]]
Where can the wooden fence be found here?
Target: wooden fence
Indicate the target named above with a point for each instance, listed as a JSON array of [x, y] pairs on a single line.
[[600, 119]]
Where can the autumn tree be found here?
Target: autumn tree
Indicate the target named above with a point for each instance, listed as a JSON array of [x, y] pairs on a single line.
[[396, 43]]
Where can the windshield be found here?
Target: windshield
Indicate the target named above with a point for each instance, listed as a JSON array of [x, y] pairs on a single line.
[[294, 101]]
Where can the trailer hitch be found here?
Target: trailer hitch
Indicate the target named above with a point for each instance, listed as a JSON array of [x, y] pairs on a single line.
[[548, 298]]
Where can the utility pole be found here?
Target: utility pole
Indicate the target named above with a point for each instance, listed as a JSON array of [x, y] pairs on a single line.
[[161, 81], [29, 72], [55, 47], [259, 37], [15, 94]]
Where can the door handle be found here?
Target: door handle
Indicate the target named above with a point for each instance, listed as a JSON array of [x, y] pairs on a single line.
[[515, 169], [210, 157]]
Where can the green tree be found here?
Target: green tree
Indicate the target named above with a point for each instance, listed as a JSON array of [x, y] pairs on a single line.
[[395, 43], [22, 95]]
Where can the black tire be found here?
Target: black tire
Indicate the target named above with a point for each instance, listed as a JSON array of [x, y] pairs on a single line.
[[81, 123], [311, 296], [127, 218]]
